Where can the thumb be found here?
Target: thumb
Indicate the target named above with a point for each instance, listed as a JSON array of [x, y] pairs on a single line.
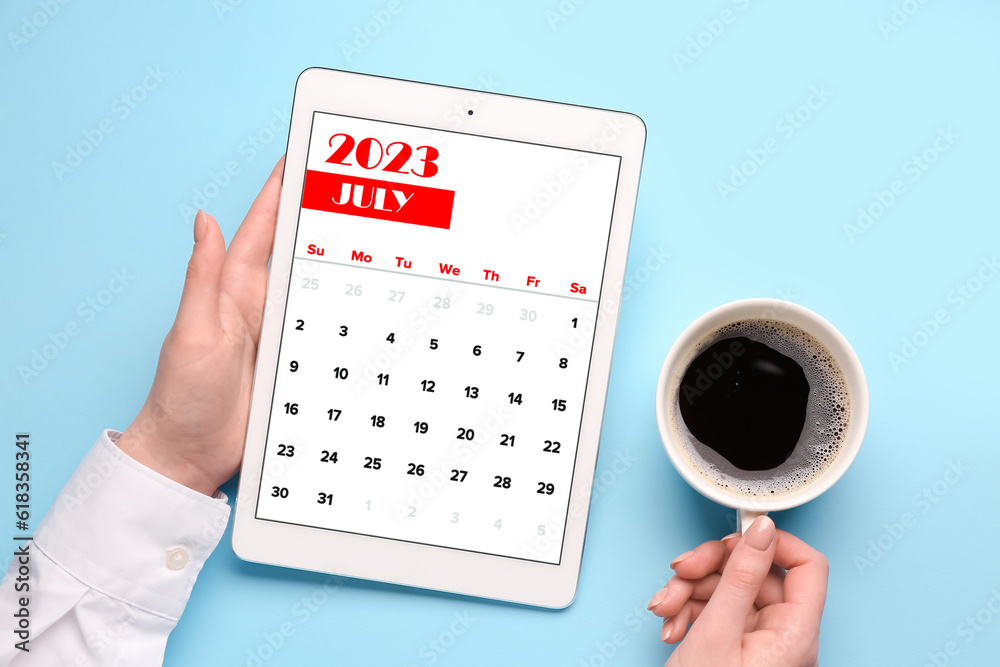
[[200, 300], [748, 566]]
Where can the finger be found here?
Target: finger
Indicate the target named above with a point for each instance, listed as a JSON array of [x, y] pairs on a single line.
[[700, 561], [704, 560], [741, 581], [245, 274], [252, 243], [678, 591], [772, 591], [199, 305], [808, 572], [729, 542], [689, 614], [675, 627]]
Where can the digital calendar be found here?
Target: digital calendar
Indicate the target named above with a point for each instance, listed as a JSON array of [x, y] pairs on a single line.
[[436, 337]]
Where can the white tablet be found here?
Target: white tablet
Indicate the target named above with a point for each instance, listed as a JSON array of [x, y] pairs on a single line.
[[437, 338]]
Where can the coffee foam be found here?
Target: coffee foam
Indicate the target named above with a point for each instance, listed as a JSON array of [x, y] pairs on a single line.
[[827, 413]]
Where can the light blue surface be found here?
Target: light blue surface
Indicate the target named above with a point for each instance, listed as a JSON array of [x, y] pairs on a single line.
[[782, 234]]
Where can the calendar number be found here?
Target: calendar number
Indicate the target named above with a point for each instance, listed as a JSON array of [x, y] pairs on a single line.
[[383, 379], [528, 315], [294, 366], [399, 159], [472, 392], [501, 483], [552, 446], [507, 440], [373, 463], [484, 309], [291, 408], [324, 499], [520, 355], [364, 153], [546, 489], [333, 414], [559, 404], [574, 322], [343, 330], [286, 450], [328, 457], [353, 290], [454, 517], [420, 427], [345, 148], [300, 325], [429, 167], [340, 373], [477, 350], [441, 302], [391, 338], [310, 283], [498, 524], [279, 491], [563, 362], [427, 385], [369, 155], [515, 398], [414, 469], [434, 343], [465, 434], [378, 421], [459, 475], [396, 296]]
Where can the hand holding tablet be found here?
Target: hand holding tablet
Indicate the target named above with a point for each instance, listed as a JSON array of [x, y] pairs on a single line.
[[437, 341]]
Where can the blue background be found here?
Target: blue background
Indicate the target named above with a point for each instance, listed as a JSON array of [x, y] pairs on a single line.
[[896, 596]]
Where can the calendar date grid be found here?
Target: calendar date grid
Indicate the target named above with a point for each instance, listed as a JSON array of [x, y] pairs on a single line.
[[386, 440]]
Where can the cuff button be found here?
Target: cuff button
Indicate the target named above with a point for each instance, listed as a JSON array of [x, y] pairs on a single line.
[[177, 558]]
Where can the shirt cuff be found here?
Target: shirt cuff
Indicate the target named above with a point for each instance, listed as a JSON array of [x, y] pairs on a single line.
[[131, 533]]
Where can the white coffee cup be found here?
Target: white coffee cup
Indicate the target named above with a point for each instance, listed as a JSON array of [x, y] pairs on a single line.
[[680, 356]]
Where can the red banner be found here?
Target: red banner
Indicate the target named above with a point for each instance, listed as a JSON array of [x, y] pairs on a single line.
[[383, 200]]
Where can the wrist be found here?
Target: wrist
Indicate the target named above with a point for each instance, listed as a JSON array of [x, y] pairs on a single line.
[[160, 456]]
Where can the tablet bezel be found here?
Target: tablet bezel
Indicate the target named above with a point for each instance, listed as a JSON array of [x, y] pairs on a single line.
[[494, 115]]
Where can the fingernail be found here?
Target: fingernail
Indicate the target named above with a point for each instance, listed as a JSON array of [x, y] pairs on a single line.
[[684, 555], [200, 225], [667, 628], [761, 534], [658, 598], [730, 536]]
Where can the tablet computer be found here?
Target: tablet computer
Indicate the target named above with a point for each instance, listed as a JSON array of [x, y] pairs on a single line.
[[437, 337]]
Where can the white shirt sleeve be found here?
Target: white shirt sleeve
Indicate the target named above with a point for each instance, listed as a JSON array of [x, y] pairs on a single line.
[[111, 565]]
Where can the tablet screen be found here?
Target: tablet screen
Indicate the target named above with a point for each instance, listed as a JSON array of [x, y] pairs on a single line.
[[437, 337]]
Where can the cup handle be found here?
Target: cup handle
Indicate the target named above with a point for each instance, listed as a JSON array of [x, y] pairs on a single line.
[[746, 517]]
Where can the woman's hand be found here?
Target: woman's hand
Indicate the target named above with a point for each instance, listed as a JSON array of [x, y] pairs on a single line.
[[755, 599], [193, 423]]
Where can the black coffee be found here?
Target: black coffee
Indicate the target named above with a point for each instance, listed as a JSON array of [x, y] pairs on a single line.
[[746, 401], [761, 408]]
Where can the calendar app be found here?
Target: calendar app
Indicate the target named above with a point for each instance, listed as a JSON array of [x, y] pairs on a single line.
[[437, 337]]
